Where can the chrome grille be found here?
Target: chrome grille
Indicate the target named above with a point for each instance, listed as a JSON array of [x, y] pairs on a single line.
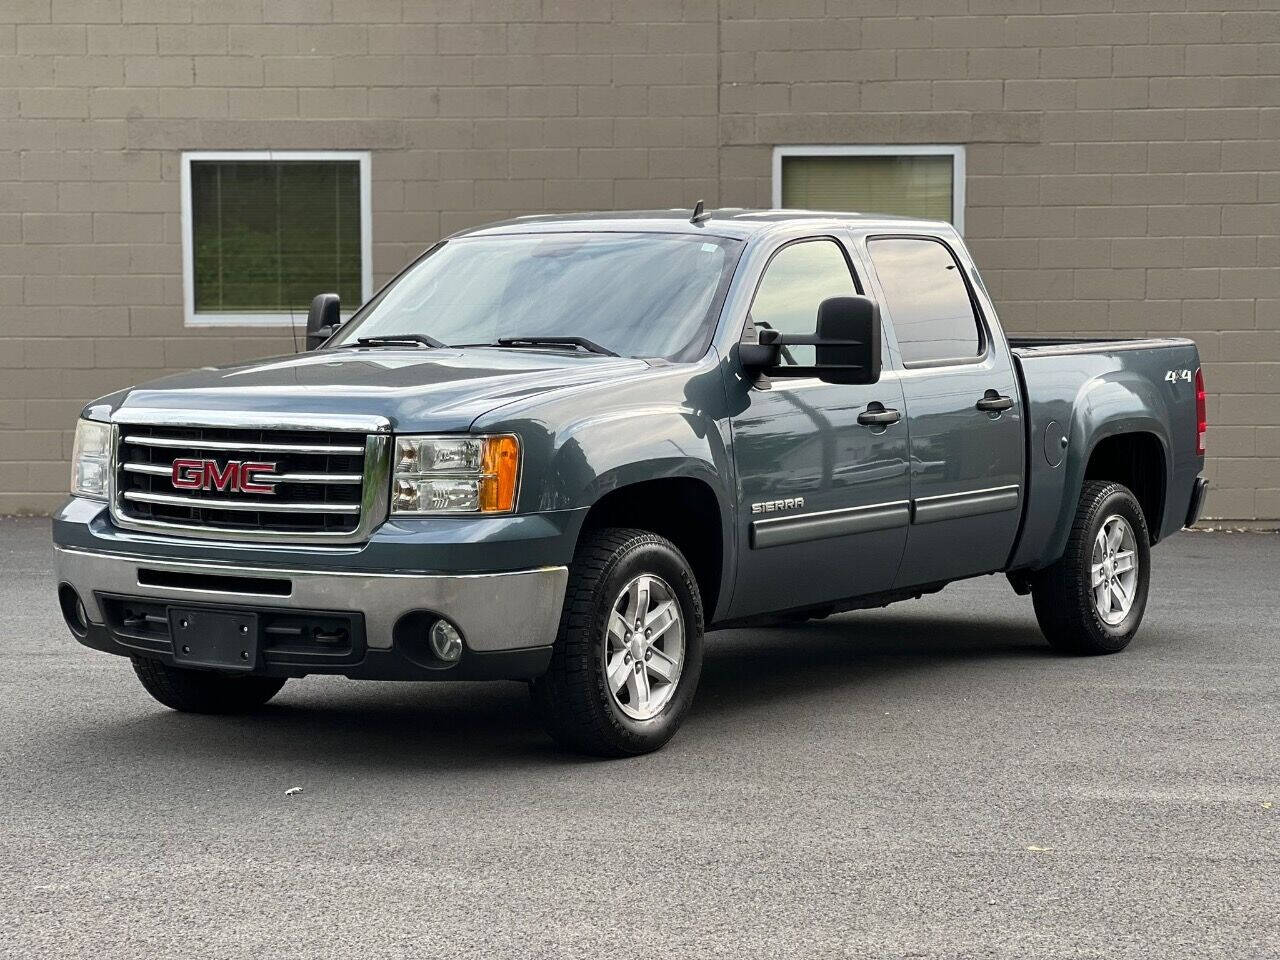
[[309, 482]]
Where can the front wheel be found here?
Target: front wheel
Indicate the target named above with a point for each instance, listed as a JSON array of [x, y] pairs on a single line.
[[628, 655], [203, 691], [1092, 599]]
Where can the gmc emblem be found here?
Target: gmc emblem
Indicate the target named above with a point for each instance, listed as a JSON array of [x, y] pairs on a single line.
[[234, 476]]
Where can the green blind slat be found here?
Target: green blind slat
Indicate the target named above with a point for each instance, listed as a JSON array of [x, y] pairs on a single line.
[[911, 186], [268, 236]]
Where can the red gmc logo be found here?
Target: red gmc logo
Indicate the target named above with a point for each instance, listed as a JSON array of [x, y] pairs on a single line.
[[234, 476]]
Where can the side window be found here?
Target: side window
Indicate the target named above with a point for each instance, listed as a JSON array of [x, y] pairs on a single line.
[[797, 280], [927, 299]]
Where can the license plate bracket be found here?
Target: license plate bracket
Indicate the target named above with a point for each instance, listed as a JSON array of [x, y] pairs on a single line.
[[223, 639]]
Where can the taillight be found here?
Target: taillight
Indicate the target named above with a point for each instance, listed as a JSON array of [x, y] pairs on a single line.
[[1202, 414]]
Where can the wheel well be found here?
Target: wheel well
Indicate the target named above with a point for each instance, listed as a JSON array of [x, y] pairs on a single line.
[[1137, 461], [683, 510]]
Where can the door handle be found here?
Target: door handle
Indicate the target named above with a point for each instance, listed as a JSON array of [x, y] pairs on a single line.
[[877, 416], [993, 402]]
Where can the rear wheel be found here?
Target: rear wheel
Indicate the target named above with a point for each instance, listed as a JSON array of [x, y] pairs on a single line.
[[203, 691], [629, 653], [1092, 600]]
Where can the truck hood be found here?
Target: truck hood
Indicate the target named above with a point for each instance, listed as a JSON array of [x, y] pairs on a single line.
[[416, 389]]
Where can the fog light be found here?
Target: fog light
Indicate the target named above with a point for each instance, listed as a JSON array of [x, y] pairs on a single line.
[[73, 610], [446, 641]]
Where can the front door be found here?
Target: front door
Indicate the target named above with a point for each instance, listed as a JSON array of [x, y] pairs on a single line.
[[966, 418], [822, 498]]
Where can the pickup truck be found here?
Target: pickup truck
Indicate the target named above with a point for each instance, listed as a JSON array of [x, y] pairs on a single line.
[[560, 449]]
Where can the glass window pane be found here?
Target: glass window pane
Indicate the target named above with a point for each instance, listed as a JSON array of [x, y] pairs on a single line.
[[927, 299], [638, 294], [795, 283], [907, 186], [267, 236]]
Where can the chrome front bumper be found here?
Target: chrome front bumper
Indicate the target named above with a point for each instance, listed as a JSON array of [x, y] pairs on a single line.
[[494, 611]]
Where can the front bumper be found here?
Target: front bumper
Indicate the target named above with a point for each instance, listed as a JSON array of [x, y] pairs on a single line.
[[508, 620]]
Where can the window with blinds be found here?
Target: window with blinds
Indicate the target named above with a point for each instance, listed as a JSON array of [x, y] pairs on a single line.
[[268, 235], [901, 185]]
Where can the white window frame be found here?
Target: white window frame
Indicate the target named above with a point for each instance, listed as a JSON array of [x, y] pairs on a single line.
[[955, 152], [193, 319]]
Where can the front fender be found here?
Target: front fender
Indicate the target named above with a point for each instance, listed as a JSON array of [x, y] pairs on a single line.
[[597, 456], [583, 444], [585, 440]]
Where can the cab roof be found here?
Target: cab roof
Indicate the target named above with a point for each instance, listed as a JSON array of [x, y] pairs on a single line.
[[733, 222]]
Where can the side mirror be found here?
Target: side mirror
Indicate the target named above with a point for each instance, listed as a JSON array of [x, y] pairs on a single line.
[[846, 345], [762, 355], [323, 319], [848, 341]]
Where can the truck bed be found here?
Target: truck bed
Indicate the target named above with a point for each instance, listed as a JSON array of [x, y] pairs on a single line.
[[1054, 346], [1083, 389]]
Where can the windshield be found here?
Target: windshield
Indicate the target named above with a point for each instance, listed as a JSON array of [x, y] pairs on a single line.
[[636, 294]]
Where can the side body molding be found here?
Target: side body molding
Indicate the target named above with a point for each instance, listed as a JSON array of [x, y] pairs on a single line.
[[970, 503], [779, 531]]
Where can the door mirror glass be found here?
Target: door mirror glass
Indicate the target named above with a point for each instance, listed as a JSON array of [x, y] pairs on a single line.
[[323, 319]]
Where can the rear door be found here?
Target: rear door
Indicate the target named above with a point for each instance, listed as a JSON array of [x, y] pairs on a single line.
[[822, 498], [964, 409]]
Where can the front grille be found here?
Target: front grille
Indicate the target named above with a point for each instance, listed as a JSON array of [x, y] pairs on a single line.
[[316, 478]]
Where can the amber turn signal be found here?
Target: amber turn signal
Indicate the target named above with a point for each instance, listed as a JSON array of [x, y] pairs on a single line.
[[500, 471]]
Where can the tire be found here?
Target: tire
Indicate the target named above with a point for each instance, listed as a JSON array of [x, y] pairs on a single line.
[[574, 699], [1067, 603], [203, 691]]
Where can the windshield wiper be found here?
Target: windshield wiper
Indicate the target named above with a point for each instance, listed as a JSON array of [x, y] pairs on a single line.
[[393, 339], [582, 342]]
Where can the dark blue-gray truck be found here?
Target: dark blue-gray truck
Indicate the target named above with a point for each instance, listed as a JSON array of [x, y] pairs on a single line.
[[560, 449]]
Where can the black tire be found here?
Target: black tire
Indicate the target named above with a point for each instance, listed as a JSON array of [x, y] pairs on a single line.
[[1063, 594], [203, 691], [572, 698]]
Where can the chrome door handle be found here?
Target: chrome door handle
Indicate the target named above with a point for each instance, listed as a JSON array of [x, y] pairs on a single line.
[[993, 402], [877, 416]]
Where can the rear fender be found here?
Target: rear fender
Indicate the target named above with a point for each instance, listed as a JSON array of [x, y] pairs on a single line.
[[1114, 403]]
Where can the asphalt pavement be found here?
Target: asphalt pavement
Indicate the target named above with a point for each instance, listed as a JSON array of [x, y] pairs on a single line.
[[923, 781]]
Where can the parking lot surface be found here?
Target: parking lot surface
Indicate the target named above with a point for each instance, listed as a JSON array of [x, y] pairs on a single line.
[[923, 781]]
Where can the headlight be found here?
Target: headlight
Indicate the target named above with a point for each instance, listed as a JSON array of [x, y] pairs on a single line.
[[440, 474], [91, 460]]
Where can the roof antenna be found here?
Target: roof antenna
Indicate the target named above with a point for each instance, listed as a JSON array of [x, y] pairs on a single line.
[[698, 215]]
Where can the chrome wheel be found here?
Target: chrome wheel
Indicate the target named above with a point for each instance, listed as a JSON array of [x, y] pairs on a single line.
[[644, 647], [1114, 570]]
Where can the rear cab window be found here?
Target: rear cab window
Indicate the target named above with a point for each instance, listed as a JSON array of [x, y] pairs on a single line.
[[927, 299]]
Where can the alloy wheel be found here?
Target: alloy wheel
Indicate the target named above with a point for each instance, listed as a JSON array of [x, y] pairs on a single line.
[[644, 647], [1113, 571]]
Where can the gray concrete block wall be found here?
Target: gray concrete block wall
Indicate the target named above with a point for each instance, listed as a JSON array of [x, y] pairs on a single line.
[[1123, 160]]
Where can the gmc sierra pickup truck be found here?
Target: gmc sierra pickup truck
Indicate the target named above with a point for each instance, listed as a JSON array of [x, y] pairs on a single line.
[[560, 449]]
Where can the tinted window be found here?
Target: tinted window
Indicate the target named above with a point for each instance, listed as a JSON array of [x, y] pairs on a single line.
[[927, 299], [797, 280]]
